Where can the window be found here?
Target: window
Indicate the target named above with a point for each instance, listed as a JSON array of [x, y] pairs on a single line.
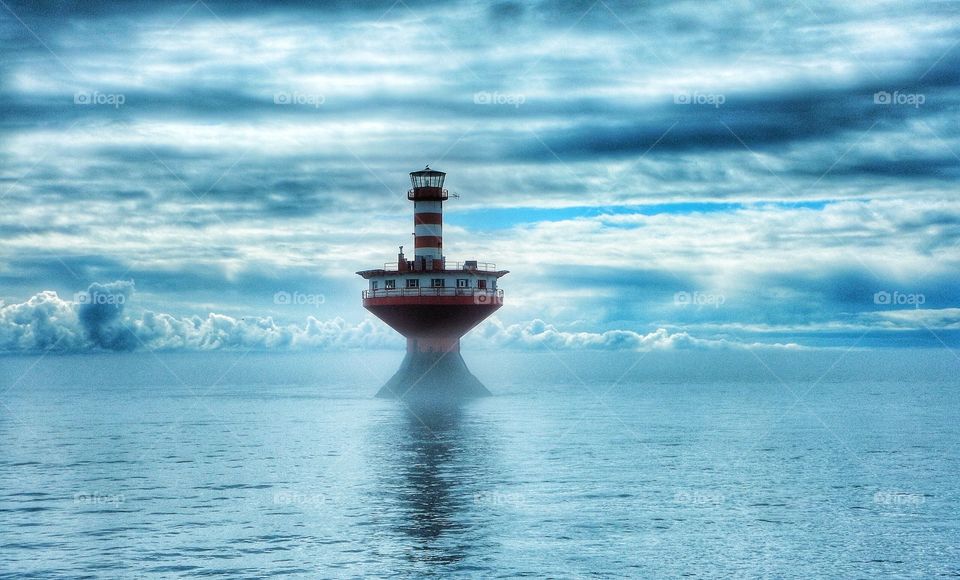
[[373, 284], [482, 284], [413, 283], [437, 283], [390, 284], [463, 283]]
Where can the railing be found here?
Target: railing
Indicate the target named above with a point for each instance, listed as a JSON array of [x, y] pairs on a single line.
[[480, 266], [443, 193], [481, 295], [459, 266]]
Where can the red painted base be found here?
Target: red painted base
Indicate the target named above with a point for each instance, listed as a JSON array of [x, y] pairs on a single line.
[[435, 320]]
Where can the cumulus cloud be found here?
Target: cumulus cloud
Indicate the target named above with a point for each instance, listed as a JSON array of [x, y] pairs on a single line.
[[537, 334], [100, 311], [97, 320], [44, 322]]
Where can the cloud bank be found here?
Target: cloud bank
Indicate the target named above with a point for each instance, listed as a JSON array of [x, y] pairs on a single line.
[[97, 320], [538, 335]]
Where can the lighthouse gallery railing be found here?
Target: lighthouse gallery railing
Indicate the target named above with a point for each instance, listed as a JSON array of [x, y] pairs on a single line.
[[449, 266], [478, 292]]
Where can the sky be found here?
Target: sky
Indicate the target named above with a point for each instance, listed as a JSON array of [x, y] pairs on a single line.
[[653, 175]]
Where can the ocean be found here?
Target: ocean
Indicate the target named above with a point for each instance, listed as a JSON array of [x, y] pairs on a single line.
[[705, 464]]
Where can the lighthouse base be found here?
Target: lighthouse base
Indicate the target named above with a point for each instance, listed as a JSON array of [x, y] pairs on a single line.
[[433, 375]]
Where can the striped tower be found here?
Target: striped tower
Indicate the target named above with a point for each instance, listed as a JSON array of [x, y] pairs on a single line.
[[428, 196], [432, 302]]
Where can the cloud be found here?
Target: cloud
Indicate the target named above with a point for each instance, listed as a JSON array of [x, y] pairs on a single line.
[[538, 335], [44, 322], [100, 311], [933, 319], [97, 321]]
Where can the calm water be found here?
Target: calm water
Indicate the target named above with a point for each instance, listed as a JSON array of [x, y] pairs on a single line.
[[697, 464]]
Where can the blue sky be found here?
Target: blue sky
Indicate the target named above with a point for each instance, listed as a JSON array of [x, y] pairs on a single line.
[[660, 175]]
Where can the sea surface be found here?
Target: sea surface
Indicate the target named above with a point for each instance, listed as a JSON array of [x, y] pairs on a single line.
[[666, 464]]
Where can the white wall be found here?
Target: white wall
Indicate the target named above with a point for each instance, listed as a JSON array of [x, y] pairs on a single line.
[[450, 280]]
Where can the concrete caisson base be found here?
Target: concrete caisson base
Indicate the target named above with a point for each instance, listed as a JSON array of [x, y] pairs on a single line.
[[433, 375]]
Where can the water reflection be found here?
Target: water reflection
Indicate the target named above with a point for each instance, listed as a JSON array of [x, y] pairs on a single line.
[[434, 465]]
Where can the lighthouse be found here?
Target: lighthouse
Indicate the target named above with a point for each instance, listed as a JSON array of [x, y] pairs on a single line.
[[432, 302]]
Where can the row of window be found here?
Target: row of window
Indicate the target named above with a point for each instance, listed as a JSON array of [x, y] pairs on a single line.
[[434, 283]]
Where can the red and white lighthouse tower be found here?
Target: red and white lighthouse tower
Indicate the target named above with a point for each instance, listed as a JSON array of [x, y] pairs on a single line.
[[431, 301]]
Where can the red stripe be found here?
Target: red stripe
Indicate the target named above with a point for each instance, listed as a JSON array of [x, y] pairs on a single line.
[[427, 219], [427, 241]]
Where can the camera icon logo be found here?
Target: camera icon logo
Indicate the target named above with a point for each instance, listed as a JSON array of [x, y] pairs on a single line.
[[882, 98], [487, 298], [281, 98], [482, 98], [882, 297], [681, 298], [282, 298]]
